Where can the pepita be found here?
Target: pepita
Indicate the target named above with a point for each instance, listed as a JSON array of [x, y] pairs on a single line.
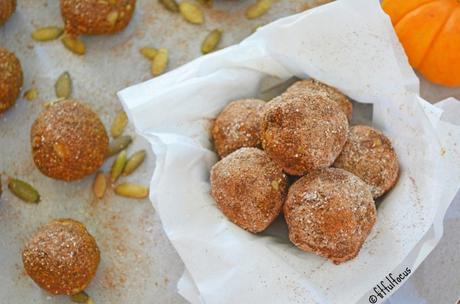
[[118, 166], [132, 190], [160, 62], [50, 103], [258, 9], [119, 124], [81, 297], [31, 94], [100, 185], [211, 41], [134, 162], [74, 45], [47, 33], [191, 12], [112, 17], [23, 190], [118, 144], [63, 86], [148, 52], [170, 5]]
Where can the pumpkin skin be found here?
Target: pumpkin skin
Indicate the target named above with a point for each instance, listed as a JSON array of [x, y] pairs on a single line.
[[429, 30]]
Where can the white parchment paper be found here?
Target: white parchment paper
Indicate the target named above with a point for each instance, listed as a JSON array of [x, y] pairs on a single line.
[[349, 44]]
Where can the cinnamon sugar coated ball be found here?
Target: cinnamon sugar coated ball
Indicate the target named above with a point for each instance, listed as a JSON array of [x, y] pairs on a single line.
[[303, 132], [238, 126], [369, 155], [10, 79], [62, 257], [312, 87], [95, 17], [69, 141], [330, 213], [7, 8], [249, 188]]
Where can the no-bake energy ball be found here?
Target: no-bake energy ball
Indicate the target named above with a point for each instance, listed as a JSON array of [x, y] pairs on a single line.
[[238, 126], [249, 188], [7, 8], [96, 17], [69, 141], [10, 79], [369, 155], [62, 257], [330, 213], [303, 133], [312, 87]]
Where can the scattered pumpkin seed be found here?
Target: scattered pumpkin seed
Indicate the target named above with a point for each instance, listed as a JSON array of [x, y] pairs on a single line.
[[31, 94], [275, 185], [118, 166], [118, 144], [258, 9], [170, 5], [112, 17], [211, 41], [63, 86], [134, 162], [47, 33], [148, 52], [191, 12], [81, 297], [100, 185], [119, 124], [160, 62], [207, 3], [132, 190], [23, 190], [74, 45]]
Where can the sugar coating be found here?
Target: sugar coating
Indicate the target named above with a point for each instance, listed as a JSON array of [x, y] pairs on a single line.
[[7, 8], [11, 79]]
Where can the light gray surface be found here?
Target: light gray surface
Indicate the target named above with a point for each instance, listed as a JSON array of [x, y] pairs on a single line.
[[138, 263]]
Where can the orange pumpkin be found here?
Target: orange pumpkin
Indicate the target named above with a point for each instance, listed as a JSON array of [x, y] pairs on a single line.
[[429, 30]]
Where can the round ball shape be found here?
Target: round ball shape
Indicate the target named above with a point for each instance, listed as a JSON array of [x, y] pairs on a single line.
[[7, 8], [10, 79]]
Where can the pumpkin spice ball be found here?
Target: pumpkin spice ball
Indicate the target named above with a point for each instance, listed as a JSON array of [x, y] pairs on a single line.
[[330, 213], [369, 155], [10, 79], [69, 141], [303, 132], [238, 126], [249, 188], [96, 17], [62, 257], [312, 86], [7, 8]]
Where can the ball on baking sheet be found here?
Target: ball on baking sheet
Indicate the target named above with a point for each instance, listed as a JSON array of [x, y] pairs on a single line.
[[369, 155], [96, 17], [10, 79], [61, 257], [330, 213], [303, 132], [7, 8], [312, 87], [68, 141], [238, 126], [249, 188]]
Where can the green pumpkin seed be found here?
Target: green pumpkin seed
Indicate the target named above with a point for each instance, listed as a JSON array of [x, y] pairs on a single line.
[[23, 190], [191, 12], [63, 86], [31, 94], [148, 52], [76, 46], [100, 185], [81, 297], [134, 162], [119, 124], [118, 166], [211, 41], [112, 17], [258, 9], [170, 5], [47, 33], [119, 144], [132, 190], [160, 62]]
